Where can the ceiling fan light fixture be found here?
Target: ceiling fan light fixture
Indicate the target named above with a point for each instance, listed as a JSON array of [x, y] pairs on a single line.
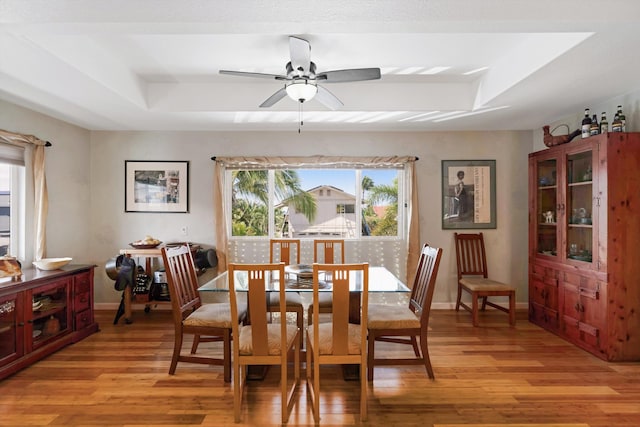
[[302, 90]]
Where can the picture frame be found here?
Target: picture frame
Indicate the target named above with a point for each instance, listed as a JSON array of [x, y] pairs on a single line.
[[156, 186], [468, 194]]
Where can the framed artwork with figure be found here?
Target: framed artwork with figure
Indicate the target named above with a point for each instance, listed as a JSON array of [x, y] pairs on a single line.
[[468, 194], [156, 186]]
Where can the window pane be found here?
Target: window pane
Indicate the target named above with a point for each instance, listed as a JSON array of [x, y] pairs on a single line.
[[5, 208], [380, 202], [249, 201]]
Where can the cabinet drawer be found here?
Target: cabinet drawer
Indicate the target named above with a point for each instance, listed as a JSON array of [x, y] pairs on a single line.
[[579, 280], [543, 316], [81, 301], [83, 319], [547, 275], [82, 283]]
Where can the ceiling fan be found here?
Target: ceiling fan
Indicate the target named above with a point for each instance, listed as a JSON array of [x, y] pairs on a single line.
[[301, 80]]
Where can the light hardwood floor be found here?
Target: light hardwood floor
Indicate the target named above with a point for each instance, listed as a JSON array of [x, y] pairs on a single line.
[[492, 375]]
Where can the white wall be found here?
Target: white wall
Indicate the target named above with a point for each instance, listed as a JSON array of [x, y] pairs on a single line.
[[113, 229]]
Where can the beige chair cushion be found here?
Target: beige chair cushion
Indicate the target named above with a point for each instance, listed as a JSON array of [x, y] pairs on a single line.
[[326, 340], [482, 284], [216, 315], [382, 316], [273, 340], [292, 298]]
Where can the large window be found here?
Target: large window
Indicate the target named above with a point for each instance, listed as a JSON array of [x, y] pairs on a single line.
[[11, 222], [314, 202]]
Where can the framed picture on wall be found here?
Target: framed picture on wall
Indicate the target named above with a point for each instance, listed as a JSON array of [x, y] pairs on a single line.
[[468, 194], [156, 186]]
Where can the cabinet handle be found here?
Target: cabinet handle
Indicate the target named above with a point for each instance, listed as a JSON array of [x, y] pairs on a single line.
[[577, 307]]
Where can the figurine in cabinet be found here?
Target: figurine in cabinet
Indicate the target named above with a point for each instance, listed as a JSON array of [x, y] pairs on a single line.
[[548, 217]]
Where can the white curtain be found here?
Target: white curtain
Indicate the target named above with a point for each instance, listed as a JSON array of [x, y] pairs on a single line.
[[318, 162], [41, 202]]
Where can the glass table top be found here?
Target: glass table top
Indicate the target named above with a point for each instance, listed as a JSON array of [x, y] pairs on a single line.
[[380, 280]]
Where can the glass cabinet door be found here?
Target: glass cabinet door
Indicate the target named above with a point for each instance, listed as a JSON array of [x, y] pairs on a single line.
[[579, 207], [50, 313], [11, 332], [546, 207]]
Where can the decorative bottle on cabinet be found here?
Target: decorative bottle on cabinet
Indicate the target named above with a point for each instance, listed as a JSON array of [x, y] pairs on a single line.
[[586, 124], [595, 127], [622, 118], [604, 124], [581, 267]]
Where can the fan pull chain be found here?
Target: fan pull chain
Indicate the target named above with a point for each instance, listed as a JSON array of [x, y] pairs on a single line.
[[300, 122]]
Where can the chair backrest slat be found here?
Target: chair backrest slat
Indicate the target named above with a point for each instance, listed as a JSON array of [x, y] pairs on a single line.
[[425, 281], [328, 251], [470, 255], [259, 279], [341, 276], [182, 280], [284, 250]]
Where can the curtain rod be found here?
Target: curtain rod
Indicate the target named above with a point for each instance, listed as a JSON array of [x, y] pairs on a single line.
[[214, 157]]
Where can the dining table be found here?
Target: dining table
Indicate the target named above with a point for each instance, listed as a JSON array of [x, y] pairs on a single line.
[[299, 278]]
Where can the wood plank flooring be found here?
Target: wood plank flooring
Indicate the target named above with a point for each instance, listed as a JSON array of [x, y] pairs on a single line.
[[492, 375]]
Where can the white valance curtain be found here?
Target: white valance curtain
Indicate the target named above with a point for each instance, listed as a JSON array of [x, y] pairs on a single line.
[[13, 147], [317, 162]]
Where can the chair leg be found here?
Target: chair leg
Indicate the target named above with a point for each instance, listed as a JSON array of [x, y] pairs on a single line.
[[414, 343], [459, 297], [284, 413], [226, 343], [177, 347], [363, 394], [196, 343], [371, 354], [237, 391], [474, 308], [300, 323], [484, 303], [425, 356]]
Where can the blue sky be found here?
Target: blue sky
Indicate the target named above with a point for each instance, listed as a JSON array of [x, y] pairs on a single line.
[[343, 179]]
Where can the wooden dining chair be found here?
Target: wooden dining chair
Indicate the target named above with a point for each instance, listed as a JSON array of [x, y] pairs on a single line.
[[205, 322], [261, 342], [473, 277], [328, 251], [288, 252], [338, 342], [405, 324]]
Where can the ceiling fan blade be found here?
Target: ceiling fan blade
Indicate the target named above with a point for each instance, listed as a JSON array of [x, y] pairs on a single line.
[[258, 75], [300, 51], [351, 75], [274, 98], [328, 99]]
